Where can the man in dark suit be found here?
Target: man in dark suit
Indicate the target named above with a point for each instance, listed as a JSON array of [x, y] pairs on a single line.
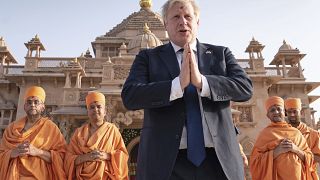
[[185, 93]]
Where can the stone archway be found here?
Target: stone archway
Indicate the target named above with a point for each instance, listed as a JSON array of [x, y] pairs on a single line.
[[133, 148]]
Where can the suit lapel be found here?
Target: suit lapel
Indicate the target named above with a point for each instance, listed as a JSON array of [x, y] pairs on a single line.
[[168, 56], [205, 60]]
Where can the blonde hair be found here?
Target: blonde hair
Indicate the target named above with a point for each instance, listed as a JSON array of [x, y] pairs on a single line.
[[170, 3]]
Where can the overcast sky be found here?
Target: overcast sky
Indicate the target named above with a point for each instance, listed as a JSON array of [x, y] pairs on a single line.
[[67, 27]]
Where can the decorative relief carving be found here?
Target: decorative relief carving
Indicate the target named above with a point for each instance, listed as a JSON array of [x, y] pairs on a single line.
[[247, 145], [64, 126], [259, 64], [294, 72], [121, 73], [30, 64], [89, 64], [107, 74], [111, 103], [127, 117], [246, 113], [70, 96], [82, 96]]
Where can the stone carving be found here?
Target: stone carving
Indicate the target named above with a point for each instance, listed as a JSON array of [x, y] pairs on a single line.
[[89, 64], [246, 113], [107, 74], [111, 104], [247, 145], [121, 73], [127, 117], [70, 96], [82, 96], [65, 128], [294, 72]]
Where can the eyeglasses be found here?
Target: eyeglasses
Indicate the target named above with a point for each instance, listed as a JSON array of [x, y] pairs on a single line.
[[274, 109], [35, 102]]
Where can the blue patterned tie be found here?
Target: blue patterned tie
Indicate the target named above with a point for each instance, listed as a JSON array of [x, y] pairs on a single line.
[[195, 141]]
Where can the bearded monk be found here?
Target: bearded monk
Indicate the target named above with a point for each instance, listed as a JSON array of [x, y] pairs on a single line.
[[281, 151], [293, 108]]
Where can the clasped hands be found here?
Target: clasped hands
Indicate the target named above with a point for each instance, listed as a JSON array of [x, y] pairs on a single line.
[[286, 145], [96, 155], [189, 69], [24, 149]]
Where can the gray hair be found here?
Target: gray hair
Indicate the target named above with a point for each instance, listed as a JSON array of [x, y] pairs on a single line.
[[170, 3]]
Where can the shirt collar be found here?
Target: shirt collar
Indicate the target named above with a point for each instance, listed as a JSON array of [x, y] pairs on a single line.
[[176, 48]]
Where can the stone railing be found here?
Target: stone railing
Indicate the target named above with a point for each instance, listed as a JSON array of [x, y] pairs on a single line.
[[273, 71], [54, 62], [291, 72], [15, 69], [244, 63]]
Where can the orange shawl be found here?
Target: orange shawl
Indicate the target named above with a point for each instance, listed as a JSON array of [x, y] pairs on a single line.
[[108, 139], [285, 166], [44, 135], [312, 136]]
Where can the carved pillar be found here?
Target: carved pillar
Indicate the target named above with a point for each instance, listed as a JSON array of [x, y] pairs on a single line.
[[278, 70], [2, 115], [38, 52], [68, 80], [28, 52], [284, 69], [2, 65], [300, 70], [78, 83], [11, 115], [7, 68]]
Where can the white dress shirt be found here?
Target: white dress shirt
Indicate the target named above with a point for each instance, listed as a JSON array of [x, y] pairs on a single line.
[[177, 92]]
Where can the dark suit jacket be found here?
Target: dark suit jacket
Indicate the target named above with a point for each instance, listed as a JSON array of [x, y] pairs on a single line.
[[148, 87]]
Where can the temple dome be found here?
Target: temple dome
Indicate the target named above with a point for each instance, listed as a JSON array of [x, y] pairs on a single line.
[[285, 46], [144, 41]]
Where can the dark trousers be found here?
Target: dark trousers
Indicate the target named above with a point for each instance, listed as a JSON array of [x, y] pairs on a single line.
[[210, 169]]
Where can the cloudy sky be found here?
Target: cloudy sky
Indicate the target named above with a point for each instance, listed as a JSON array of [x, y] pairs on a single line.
[[67, 27]]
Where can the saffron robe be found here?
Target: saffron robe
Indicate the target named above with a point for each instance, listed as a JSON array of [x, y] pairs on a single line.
[[44, 135], [313, 139], [107, 138], [286, 165]]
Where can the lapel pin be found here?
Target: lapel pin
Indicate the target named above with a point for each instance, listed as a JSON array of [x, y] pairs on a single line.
[[208, 52]]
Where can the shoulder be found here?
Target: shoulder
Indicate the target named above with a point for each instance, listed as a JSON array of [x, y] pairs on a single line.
[[49, 122], [80, 129], [215, 48], [112, 126], [156, 50], [50, 126], [17, 124]]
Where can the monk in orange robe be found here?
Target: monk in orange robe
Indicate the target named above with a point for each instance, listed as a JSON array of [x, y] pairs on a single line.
[[280, 152], [293, 108], [96, 149], [33, 146]]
